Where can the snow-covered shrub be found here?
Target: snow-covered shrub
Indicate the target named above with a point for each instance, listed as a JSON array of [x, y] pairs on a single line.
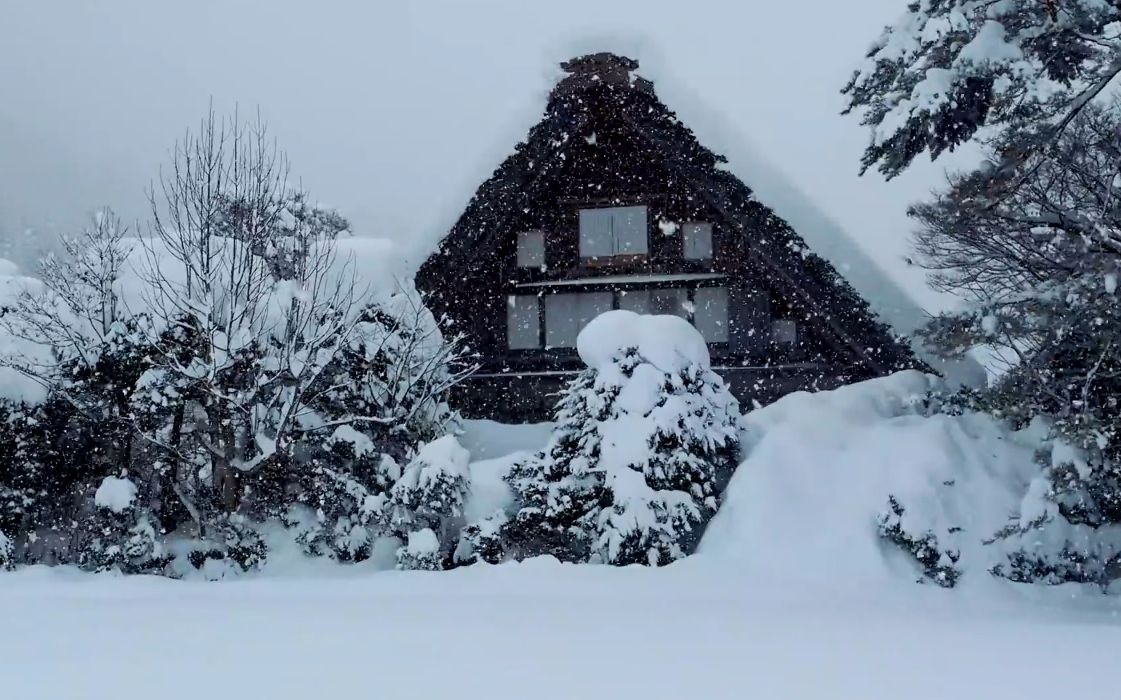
[[340, 510], [229, 546], [1068, 528], [384, 395], [120, 535], [24, 458], [234, 368], [6, 552], [483, 541], [646, 438], [422, 552], [429, 498]]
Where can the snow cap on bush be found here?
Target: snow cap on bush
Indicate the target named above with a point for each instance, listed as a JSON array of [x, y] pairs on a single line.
[[669, 343], [115, 494]]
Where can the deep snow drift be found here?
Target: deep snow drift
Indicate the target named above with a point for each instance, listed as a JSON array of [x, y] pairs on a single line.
[[820, 467], [792, 595]]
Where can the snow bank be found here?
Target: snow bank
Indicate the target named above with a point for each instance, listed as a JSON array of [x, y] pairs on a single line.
[[819, 469], [487, 439], [669, 343]]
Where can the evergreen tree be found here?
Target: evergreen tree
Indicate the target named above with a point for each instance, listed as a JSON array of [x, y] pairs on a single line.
[[646, 438], [947, 68], [1031, 240]]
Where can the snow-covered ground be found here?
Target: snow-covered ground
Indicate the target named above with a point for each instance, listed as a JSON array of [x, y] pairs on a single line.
[[791, 596], [700, 629]]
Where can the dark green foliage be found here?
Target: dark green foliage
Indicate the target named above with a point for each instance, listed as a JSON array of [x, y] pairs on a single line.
[[627, 481], [938, 563], [948, 68]]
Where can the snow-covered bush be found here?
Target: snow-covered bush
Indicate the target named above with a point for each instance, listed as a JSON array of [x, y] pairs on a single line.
[[120, 534], [426, 503], [483, 541], [230, 362], [6, 553], [421, 552], [1068, 528], [646, 437]]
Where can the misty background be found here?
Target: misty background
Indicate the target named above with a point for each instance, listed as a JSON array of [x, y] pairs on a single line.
[[394, 112]]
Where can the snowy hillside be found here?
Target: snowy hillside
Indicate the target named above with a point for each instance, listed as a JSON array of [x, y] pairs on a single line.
[[791, 578]]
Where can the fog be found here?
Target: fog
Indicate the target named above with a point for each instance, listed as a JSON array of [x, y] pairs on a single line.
[[393, 112]]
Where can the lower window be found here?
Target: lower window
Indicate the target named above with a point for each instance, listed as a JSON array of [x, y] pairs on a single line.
[[566, 314]]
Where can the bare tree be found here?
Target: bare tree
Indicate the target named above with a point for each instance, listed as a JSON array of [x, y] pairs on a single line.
[[255, 341], [71, 316]]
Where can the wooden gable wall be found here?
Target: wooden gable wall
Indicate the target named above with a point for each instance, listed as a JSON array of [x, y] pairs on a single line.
[[614, 167]]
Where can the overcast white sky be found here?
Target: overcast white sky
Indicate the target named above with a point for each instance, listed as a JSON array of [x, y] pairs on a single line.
[[394, 111]]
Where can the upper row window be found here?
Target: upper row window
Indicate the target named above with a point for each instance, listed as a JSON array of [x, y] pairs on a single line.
[[531, 249], [696, 240], [613, 231]]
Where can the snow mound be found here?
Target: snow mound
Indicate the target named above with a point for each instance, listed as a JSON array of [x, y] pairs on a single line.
[[669, 343], [115, 494], [423, 542], [805, 505]]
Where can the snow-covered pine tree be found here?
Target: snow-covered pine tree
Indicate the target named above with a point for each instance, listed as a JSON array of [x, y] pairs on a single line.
[[646, 437], [558, 490], [426, 504], [946, 68]]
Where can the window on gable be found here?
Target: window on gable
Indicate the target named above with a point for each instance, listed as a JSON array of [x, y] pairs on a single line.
[[710, 313], [784, 331], [696, 237], [523, 324], [636, 300], [670, 302], [567, 314], [531, 249], [749, 322], [611, 231]]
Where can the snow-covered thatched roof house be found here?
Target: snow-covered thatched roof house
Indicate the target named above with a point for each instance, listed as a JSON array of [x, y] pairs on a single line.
[[612, 202]]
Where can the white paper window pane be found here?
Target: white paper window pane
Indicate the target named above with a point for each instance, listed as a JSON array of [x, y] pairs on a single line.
[[697, 239], [595, 233], [636, 300], [671, 302], [628, 226], [710, 313], [567, 314], [784, 331], [531, 249], [523, 324]]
